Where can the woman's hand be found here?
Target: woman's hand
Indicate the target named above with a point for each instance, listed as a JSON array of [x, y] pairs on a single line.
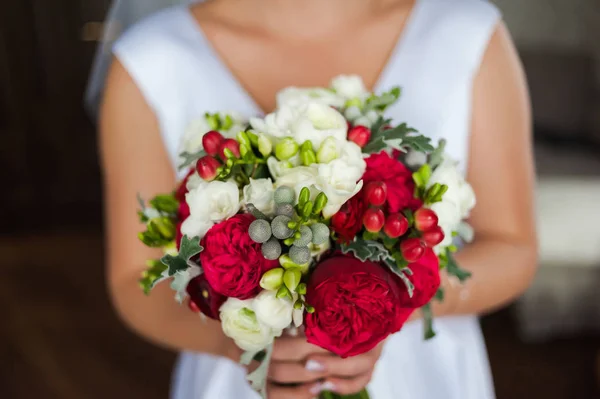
[[301, 370]]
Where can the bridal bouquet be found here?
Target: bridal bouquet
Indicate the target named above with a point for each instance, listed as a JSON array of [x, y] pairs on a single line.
[[323, 214]]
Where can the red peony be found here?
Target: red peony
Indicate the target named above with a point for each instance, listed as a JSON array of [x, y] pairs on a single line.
[[356, 306], [204, 298], [232, 262], [398, 179], [426, 279], [349, 220]]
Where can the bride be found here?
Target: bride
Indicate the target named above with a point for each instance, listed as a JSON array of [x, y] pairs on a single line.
[[461, 80]]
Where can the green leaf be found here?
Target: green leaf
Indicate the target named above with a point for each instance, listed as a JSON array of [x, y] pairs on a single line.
[[402, 272], [165, 203], [152, 275], [383, 101], [428, 322], [189, 248], [437, 156], [382, 138], [364, 394], [453, 269], [439, 295], [418, 143], [188, 158], [421, 176], [367, 250]]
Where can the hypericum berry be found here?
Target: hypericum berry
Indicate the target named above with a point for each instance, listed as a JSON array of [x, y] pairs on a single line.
[[360, 135], [396, 225], [211, 142], [231, 145], [193, 307], [260, 231], [207, 167], [376, 193], [373, 220], [412, 249], [425, 219], [433, 236]]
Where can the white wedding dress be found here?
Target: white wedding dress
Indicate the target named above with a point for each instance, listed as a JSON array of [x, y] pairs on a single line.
[[181, 77]]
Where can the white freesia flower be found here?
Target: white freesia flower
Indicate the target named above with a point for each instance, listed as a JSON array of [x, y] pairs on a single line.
[[260, 193], [195, 181], [277, 124], [456, 203], [271, 311], [299, 177], [239, 322], [278, 168], [338, 180], [195, 227], [296, 96], [350, 87]]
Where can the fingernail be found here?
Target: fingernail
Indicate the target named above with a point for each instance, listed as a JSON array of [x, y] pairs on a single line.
[[313, 365], [317, 389]]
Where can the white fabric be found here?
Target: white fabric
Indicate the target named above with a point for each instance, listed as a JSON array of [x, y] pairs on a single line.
[[181, 77]]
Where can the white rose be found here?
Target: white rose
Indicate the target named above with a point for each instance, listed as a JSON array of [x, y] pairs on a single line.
[[214, 201], [295, 96], [350, 87], [239, 323], [316, 122], [195, 227], [260, 193], [273, 312], [298, 177], [456, 203], [338, 180], [277, 124]]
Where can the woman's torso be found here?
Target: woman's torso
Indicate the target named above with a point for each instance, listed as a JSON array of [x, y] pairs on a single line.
[[182, 76]]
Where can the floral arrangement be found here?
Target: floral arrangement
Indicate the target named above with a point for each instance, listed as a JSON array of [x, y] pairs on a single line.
[[323, 214]]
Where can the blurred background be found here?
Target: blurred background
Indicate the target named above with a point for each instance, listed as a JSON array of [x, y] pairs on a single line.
[[59, 337]]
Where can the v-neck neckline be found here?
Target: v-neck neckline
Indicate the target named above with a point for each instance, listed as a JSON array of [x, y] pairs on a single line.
[[394, 58]]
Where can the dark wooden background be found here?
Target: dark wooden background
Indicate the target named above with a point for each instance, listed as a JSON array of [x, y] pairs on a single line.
[[59, 337]]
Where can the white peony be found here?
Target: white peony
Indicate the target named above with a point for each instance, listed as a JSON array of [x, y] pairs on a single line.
[[456, 203], [273, 312], [308, 121], [296, 96], [350, 87], [239, 322], [338, 180], [260, 193]]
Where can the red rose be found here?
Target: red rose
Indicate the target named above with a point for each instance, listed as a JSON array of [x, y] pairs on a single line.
[[357, 305], [349, 220], [398, 179], [182, 214], [182, 189], [207, 300], [426, 279], [232, 262]]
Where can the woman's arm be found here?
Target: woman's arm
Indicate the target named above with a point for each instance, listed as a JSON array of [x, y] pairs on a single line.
[[503, 257], [134, 161]]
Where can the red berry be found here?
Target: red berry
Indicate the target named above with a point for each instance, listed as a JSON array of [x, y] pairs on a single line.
[[193, 307], [211, 142], [360, 135], [207, 167], [232, 146], [373, 220], [412, 249], [425, 219], [433, 236], [376, 193], [396, 225]]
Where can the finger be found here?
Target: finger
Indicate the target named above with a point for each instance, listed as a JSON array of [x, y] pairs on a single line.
[[349, 367], [294, 372], [294, 349], [350, 386], [304, 391]]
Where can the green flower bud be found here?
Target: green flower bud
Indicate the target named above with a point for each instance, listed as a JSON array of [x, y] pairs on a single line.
[[327, 151], [260, 231], [287, 263], [283, 292], [308, 157], [305, 237], [286, 149], [355, 102], [265, 147], [304, 197], [320, 203], [271, 249], [284, 195], [310, 309], [299, 255], [245, 151], [272, 279], [227, 123], [164, 227], [298, 304], [301, 289], [213, 121], [291, 278], [165, 203], [307, 209], [229, 155], [253, 139], [243, 139]]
